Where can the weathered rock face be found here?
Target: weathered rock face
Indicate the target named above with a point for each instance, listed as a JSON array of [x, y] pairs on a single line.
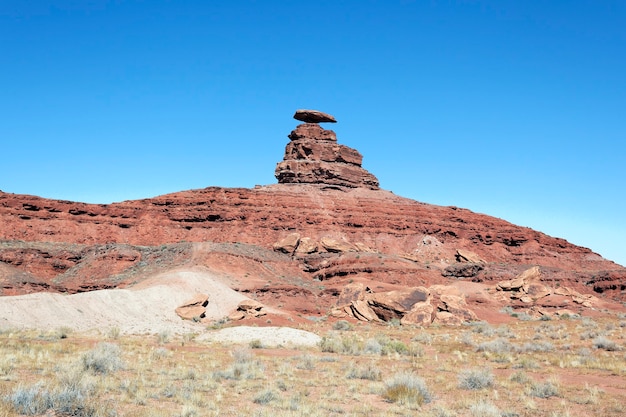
[[314, 157]]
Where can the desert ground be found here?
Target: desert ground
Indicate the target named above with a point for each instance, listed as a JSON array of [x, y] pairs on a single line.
[[124, 352]]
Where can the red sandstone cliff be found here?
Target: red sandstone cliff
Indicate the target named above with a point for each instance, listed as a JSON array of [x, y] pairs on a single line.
[[326, 220]]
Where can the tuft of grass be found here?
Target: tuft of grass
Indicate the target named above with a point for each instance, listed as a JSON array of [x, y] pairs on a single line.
[[330, 344], [496, 346], [266, 396], [31, 400], [256, 344], [475, 379], [544, 390], [67, 400], [602, 342], [520, 377], [369, 372], [306, 362], [484, 408], [114, 333], [372, 346], [103, 359], [342, 325], [163, 337], [406, 388], [242, 355], [537, 347]]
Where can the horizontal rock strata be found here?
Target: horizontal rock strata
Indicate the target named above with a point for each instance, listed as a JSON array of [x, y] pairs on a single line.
[[314, 157]]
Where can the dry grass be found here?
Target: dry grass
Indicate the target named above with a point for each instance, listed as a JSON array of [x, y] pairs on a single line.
[[528, 368]]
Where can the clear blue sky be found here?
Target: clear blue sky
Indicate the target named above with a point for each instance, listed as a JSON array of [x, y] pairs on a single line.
[[515, 109]]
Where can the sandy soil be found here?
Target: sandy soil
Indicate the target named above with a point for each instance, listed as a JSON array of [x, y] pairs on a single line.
[[147, 308], [267, 336]]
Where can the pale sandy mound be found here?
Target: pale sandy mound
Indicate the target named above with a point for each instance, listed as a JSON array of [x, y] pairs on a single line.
[[267, 336], [146, 308]]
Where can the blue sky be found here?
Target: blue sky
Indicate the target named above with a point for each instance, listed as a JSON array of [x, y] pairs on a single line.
[[516, 109]]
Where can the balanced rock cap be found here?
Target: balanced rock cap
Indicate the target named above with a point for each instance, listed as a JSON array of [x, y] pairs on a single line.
[[313, 116]]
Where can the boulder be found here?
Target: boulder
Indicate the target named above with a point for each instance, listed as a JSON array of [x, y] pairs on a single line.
[[518, 283], [194, 308], [313, 116], [457, 306], [531, 274], [462, 270], [351, 292], [554, 301], [362, 247], [420, 315], [247, 308], [334, 245], [251, 307], [439, 290], [447, 319], [288, 244], [536, 290], [306, 246], [361, 310], [510, 285], [395, 304], [463, 255]]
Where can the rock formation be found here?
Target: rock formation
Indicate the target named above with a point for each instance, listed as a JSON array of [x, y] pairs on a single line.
[[313, 116], [294, 246], [314, 157], [194, 308]]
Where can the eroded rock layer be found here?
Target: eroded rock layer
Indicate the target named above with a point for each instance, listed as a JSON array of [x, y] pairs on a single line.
[[356, 233], [314, 157]]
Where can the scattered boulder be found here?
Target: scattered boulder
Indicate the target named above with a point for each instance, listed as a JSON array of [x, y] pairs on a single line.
[[248, 308], [447, 319], [313, 116], [422, 314], [363, 311], [288, 244], [462, 270], [527, 290], [536, 290], [554, 301], [194, 308], [463, 255], [334, 245], [351, 292], [362, 247], [518, 283], [456, 306], [531, 274], [307, 246], [395, 304], [412, 306]]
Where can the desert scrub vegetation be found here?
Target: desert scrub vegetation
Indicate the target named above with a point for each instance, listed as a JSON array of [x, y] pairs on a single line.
[[406, 389], [474, 379], [481, 369], [104, 358]]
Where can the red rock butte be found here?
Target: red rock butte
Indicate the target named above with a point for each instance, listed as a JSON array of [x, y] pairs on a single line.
[[324, 240]]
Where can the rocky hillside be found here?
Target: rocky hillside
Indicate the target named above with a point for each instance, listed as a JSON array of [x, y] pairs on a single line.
[[325, 224]]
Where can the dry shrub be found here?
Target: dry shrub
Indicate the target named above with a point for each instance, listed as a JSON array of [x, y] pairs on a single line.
[[406, 388]]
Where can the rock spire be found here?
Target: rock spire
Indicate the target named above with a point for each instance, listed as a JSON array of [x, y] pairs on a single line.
[[313, 156]]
